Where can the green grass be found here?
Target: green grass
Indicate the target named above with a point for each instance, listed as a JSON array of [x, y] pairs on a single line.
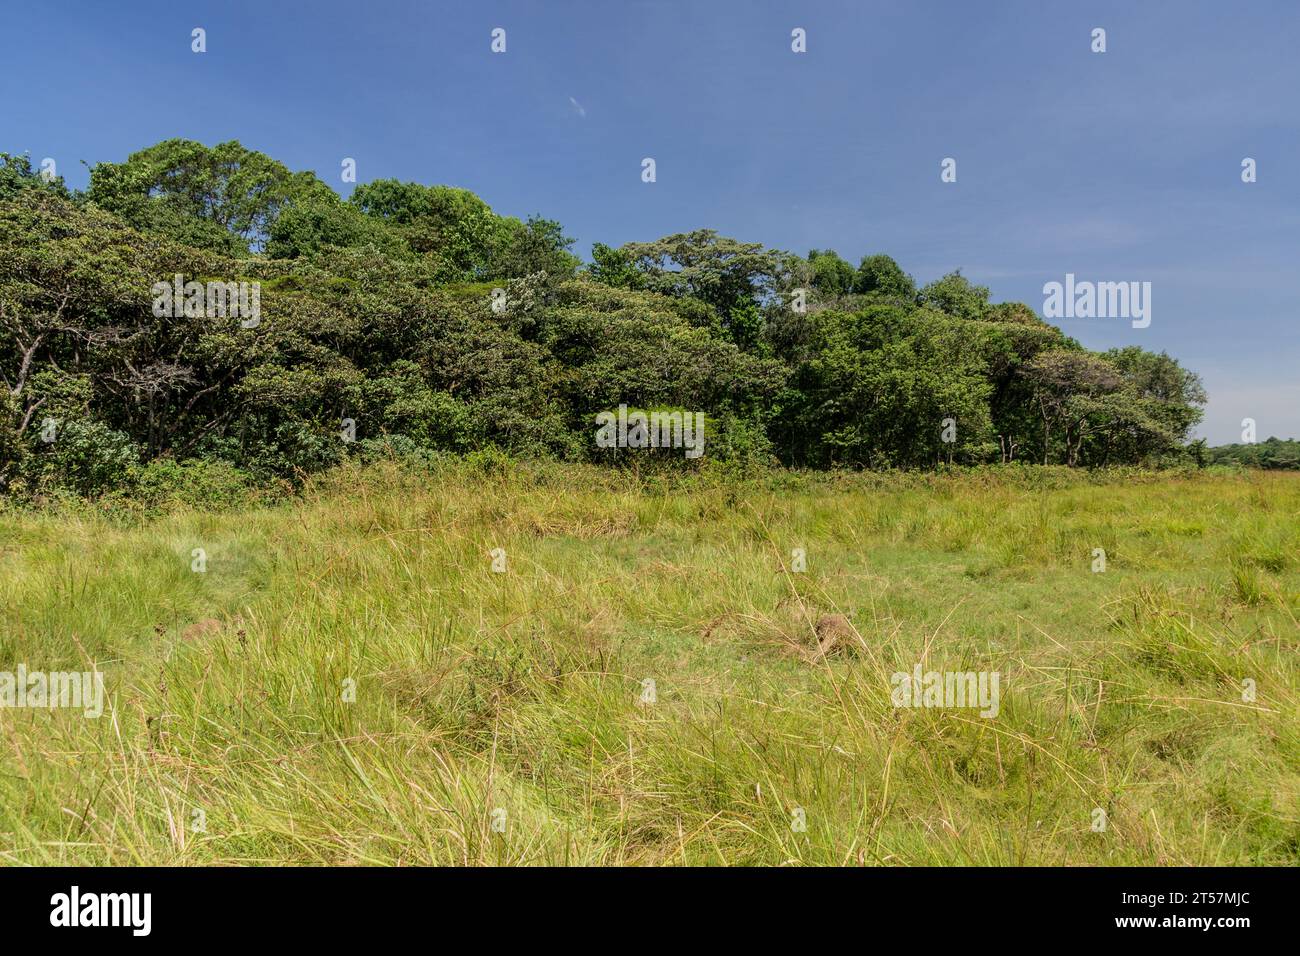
[[477, 692]]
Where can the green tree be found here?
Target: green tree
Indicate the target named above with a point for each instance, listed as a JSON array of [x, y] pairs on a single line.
[[225, 197], [538, 245], [613, 267], [17, 174], [955, 295], [1079, 395], [307, 229], [735, 278], [455, 229], [880, 275], [877, 390], [380, 310], [832, 276]]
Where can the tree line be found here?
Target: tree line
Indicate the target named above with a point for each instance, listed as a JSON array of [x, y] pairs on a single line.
[[414, 320], [1272, 454]]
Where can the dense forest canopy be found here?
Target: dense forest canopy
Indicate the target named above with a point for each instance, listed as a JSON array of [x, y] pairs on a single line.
[[414, 319]]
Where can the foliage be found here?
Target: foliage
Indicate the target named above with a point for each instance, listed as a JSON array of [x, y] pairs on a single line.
[[414, 320], [732, 277], [878, 389], [223, 198], [955, 295], [17, 175], [832, 276], [880, 275], [1270, 454]]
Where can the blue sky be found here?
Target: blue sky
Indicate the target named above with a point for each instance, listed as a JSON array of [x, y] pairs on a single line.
[[1117, 166]]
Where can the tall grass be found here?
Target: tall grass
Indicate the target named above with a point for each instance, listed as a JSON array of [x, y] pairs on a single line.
[[520, 700]]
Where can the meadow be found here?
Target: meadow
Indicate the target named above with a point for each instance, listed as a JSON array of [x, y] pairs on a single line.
[[652, 680]]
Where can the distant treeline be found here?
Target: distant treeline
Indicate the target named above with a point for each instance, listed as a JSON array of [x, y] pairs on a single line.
[[413, 319], [1273, 453]]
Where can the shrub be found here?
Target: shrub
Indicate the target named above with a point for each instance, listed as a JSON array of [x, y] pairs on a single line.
[[197, 483], [86, 457]]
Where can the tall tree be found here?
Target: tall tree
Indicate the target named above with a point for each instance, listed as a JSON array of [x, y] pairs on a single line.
[[225, 197], [1070, 388], [955, 295], [880, 275], [736, 278], [832, 276]]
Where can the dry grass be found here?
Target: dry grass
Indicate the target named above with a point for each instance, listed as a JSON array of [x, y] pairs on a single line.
[[226, 737]]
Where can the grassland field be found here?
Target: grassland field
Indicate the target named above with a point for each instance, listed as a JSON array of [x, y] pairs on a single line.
[[348, 680]]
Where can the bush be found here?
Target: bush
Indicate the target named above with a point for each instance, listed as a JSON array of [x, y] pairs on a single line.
[[86, 457], [197, 483]]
